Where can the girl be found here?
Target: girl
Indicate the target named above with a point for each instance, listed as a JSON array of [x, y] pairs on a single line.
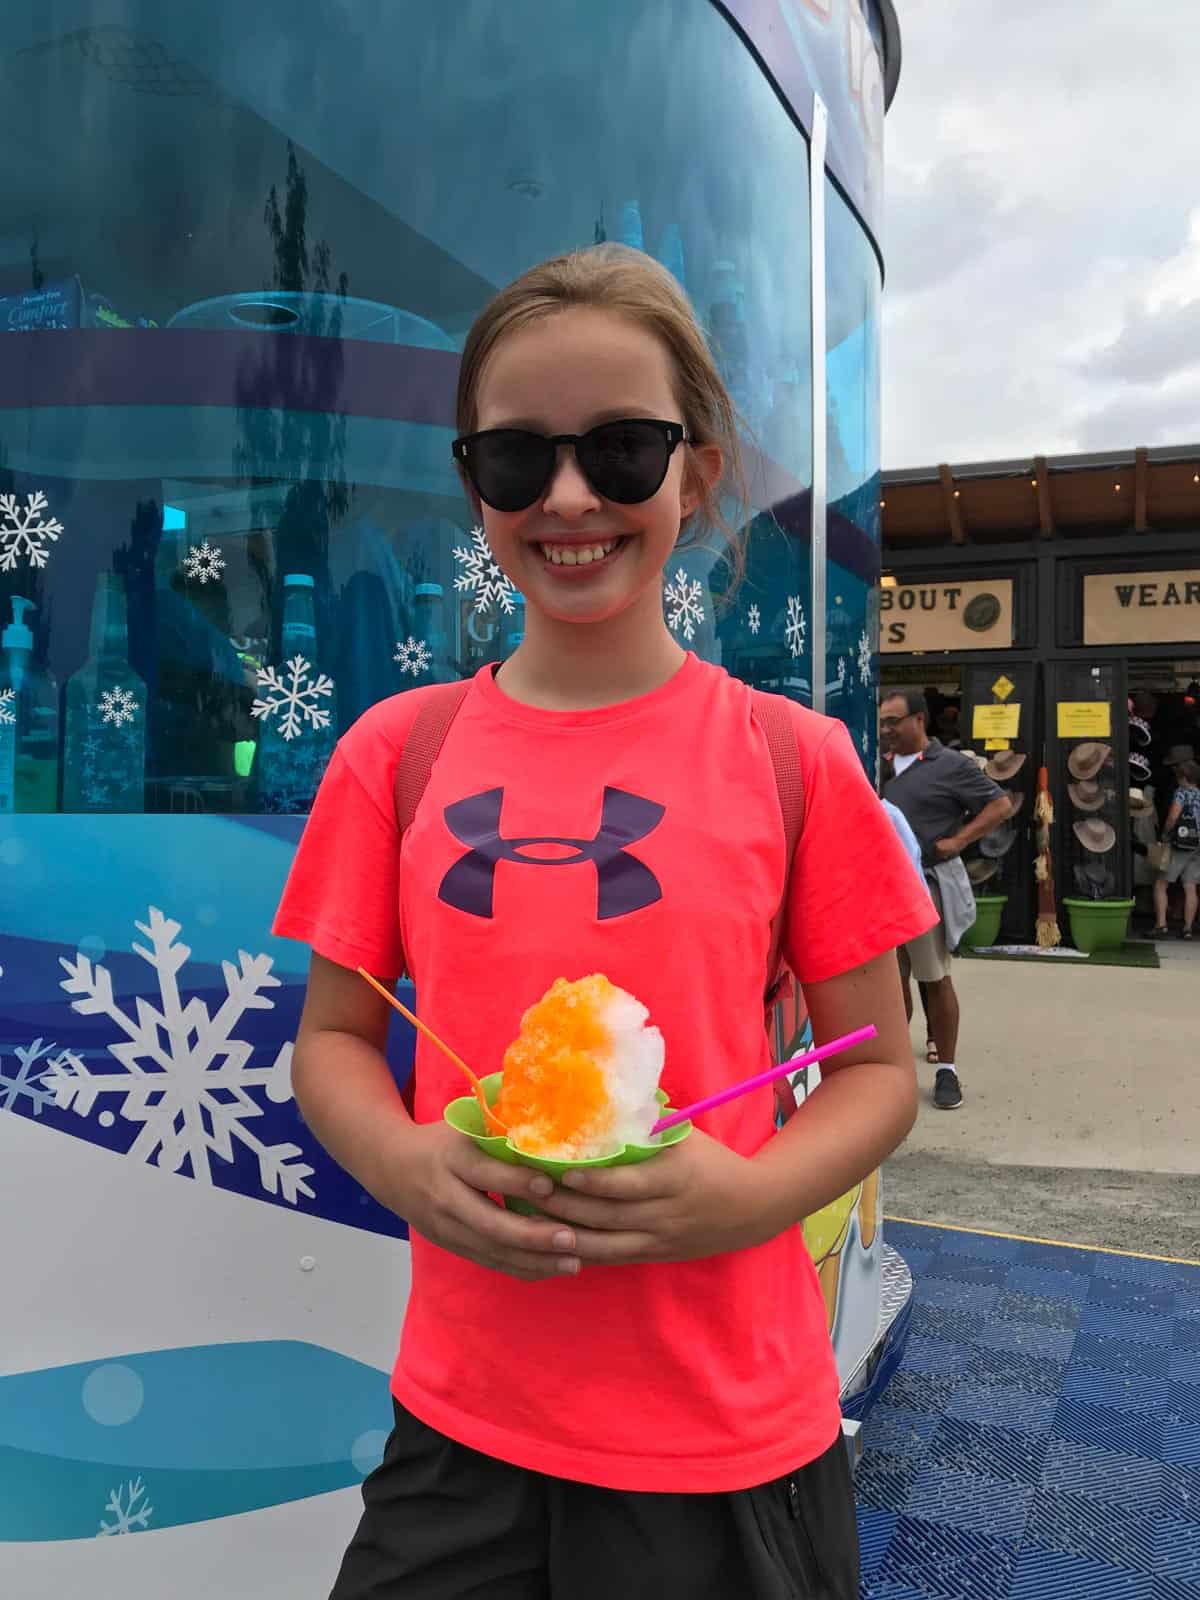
[[635, 1392], [1184, 865]]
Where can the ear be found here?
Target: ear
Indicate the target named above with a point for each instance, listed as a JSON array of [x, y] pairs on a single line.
[[701, 474]]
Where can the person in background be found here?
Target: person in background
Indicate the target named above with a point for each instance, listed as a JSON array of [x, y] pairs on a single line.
[[948, 727], [1184, 865], [949, 803]]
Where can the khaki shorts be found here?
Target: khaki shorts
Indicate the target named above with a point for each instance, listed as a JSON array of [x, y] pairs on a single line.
[[926, 959], [1183, 867]]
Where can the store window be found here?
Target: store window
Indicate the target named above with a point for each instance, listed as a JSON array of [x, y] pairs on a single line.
[[853, 472], [241, 248]]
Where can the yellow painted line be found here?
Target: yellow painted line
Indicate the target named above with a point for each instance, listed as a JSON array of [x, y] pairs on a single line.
[[1063, 1244]]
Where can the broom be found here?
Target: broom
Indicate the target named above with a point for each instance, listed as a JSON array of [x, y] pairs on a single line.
[[1046, 929]]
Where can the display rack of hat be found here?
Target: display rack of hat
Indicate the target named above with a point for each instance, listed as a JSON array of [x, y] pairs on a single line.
[[1096, 809], [992, 860]]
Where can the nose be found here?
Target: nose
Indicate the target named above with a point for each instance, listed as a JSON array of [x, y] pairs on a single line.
[[568, 494]]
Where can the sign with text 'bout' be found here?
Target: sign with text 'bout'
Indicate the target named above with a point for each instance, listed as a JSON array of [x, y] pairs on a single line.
[[1141, 607], [947, 616]]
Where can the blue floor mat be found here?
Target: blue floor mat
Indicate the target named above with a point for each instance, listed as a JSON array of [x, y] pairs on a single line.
[[1041, 1439]]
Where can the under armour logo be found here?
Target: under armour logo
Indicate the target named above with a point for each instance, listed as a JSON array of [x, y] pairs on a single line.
[[623, 884]]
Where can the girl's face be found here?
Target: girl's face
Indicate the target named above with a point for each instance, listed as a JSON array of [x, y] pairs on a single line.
[[567, 373]]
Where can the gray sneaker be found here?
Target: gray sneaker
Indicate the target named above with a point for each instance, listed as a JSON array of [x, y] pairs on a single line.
[[947, 1091]]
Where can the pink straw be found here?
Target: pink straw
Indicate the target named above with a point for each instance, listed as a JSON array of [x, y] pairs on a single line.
[[859, 1036]]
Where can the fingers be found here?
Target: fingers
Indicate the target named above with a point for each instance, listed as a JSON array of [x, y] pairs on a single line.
[[489, 1176], [524, 1246]]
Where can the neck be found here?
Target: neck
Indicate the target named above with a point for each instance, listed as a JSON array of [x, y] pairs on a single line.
[[577, 666]]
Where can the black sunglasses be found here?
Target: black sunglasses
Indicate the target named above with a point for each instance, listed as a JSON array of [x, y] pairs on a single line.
[[626, 461]]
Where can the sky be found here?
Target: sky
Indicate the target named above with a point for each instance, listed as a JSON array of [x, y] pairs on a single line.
[[1042, 230]]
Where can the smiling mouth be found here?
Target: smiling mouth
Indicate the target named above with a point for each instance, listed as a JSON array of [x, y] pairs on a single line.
[[580, 555]]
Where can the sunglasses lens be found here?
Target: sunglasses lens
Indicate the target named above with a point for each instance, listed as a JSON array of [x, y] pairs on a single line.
[[625, 461], [509, 468]]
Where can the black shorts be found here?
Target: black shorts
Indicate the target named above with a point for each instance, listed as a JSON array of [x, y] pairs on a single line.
[[442, 1522]]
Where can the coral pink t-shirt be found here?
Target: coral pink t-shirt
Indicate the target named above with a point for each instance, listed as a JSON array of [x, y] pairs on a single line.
[[643, 840]]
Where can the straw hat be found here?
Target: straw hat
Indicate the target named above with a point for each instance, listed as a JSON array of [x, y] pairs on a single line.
[[1086, 796], [1087, 758], [1139, 806], [979, 870], [1005, 765], [1094, 835], [1016, 799], [999, 842]]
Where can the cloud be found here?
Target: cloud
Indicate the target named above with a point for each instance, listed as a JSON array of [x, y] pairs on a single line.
[[1043, 287]]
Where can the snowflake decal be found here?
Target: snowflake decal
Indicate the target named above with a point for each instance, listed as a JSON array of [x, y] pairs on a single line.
[[683, 596], [754, 619], [204, 561], [130, 1509], [864, 657], [181, 1073], [482, 577], [413, 655], [797, 625], [296, 697], [118, 706], [26, 1083], [7, 715], [24, 530]]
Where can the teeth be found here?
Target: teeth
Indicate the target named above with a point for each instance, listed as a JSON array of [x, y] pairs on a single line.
[[566, 555]]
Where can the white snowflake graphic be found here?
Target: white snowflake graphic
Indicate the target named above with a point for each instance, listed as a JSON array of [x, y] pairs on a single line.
[[797, 625], [413, 655], [193, 1093], [204, 561], [7, 715], [687, 608], [23, 530], [482, 577], [754, 619], [130, 1509], [296, 698], [118, 706], [864, 657], [26, 1083]]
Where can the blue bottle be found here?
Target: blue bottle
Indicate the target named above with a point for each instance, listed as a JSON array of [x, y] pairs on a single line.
[[299, 724], [429, 627], [104, 763], [28, 721], [670, 253], [629, 230]]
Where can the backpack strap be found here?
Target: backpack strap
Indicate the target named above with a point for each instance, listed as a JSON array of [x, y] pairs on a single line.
[[421, 749], [775, 718]]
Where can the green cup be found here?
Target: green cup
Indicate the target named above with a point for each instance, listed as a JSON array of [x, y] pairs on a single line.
[[465, 1115]]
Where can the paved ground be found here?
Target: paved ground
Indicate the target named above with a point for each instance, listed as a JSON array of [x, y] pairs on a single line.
[[1081, 1119]]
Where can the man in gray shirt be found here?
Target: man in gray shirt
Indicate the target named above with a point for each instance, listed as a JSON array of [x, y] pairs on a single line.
[[949, 803]]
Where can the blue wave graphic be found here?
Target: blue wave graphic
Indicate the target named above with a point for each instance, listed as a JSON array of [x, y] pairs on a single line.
[[200, 1432]]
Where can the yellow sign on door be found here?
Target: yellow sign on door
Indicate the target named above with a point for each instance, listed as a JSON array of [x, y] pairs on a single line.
[[1003, 687], [996, 722], [1084, 719]]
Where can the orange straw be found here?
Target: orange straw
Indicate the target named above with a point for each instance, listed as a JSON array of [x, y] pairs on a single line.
[[491, 1120]]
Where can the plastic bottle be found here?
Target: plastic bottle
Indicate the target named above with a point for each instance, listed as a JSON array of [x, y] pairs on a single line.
[[629, 230], [28, 721], [290, 768], [670, 253], [104, 763], [429, 628]]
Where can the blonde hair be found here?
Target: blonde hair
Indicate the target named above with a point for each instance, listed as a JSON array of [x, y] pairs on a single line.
[[614, 277]]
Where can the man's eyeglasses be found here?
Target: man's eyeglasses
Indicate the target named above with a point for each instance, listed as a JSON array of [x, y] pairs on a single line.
[[887, 724]]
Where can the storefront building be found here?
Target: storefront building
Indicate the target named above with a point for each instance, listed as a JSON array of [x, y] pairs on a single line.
[[242, 246], [1052, 608]]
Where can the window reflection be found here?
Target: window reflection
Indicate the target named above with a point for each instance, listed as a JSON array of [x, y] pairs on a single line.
[[237, 280]]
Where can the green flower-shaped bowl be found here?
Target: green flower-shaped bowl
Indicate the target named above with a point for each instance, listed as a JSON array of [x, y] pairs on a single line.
[[464, 1115]]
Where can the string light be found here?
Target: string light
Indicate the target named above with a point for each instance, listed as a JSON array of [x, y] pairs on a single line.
[[1116, 488], [1033, 483]]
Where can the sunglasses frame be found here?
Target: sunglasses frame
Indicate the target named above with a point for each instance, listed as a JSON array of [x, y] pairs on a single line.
[[674, 434]]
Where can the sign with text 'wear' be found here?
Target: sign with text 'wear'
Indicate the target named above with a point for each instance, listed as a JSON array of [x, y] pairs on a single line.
[[947, 616], [1141, 607]]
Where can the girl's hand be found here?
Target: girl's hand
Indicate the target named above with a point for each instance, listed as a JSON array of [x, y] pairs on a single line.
[[443, 1192], [696, 1199]]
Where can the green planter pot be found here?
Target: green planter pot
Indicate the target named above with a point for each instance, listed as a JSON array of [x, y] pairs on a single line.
[[1098, 924], [989, 908]]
